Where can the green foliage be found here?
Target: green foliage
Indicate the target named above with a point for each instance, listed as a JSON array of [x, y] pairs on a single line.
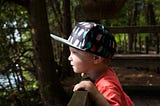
[[124, 18], [30, 82], [18, 84]]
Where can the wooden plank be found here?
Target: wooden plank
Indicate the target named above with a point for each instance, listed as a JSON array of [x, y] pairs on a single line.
[[136, 60], [80, 98], [135, 29]]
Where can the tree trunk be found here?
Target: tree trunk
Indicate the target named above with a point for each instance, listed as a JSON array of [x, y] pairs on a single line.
[[67, 28], [150, 19], [133, 23], [51, 91], [149, 14]]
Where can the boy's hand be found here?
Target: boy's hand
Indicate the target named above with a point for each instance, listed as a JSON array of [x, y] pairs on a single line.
[[87, 86], [95, 94]]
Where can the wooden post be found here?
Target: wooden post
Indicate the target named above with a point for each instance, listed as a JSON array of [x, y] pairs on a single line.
[[147, 48], [80, 98], [140, 44], [157, 44]]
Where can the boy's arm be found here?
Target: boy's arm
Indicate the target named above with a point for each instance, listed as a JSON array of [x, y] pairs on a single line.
[[100, 100]]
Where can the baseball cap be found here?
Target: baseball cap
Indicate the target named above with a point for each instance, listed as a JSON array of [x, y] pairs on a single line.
[[91, 37]]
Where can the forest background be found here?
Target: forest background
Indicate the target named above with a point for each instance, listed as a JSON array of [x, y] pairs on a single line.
[[33, 68]]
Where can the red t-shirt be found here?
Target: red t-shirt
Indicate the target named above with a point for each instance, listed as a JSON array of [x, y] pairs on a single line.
[[109, 85]]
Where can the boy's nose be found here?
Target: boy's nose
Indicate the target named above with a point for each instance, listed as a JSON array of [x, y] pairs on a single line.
[[70, 57]]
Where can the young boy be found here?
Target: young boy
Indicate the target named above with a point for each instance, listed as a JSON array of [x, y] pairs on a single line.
[[91, 47]]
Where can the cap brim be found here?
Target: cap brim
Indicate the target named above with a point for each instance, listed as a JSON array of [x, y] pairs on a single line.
[[60, 39], [63, 41]]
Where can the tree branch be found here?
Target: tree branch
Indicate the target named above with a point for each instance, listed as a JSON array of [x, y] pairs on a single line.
[[23, 3]]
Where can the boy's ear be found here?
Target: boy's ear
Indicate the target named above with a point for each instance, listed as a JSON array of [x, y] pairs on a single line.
[[97, 59]]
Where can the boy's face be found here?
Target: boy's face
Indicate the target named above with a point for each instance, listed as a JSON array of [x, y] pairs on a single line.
[[81, 62]]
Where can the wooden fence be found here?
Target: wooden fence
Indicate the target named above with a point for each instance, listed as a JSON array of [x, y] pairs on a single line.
[[137, 39], [137, 46]]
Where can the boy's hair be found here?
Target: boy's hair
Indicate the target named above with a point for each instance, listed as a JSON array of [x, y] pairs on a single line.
[[91, 37]]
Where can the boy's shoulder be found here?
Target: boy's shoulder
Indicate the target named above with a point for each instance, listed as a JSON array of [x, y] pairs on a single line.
[[108, 78]]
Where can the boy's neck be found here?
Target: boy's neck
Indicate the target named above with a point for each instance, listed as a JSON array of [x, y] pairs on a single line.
[[95, 74]]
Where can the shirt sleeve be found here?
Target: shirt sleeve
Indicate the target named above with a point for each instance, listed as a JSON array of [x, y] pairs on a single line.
[[112, 95]]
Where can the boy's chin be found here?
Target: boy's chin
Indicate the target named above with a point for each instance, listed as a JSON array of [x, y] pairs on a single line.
[[77, 71]]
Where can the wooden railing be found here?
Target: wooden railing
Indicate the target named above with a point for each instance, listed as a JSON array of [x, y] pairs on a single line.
[[136, 60], [135, 29], [80, 98]]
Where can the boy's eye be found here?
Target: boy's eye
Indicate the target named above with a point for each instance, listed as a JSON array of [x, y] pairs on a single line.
[[74, 52]]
